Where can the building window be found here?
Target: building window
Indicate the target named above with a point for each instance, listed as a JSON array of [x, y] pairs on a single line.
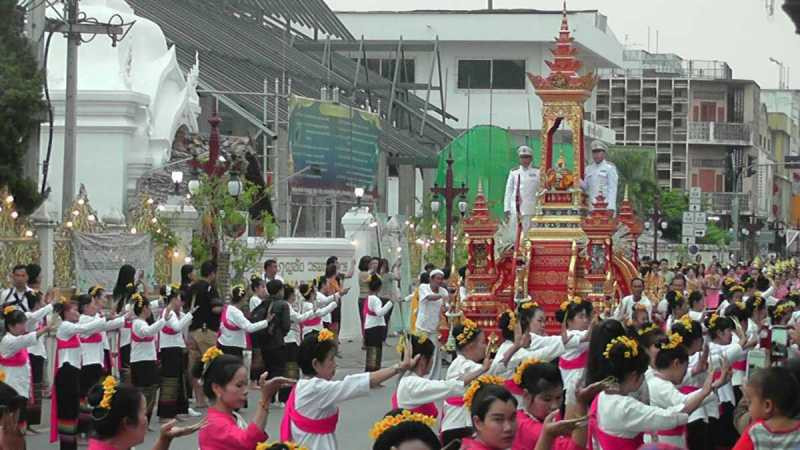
[[495, 74], [385, 68]]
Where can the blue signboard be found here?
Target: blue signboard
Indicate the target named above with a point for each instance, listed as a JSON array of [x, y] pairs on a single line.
[[341, 141]]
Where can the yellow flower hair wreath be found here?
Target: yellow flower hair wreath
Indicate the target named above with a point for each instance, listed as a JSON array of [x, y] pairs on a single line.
[[392, 421], [477, 384]]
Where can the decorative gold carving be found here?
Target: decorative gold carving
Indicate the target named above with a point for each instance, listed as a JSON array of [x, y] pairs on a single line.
[[17, 242], [63, 273]]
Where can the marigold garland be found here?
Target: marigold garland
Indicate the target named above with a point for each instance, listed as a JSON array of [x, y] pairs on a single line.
[[529, 305], [712, 321], [740, 305], [109, 388], [401, 342], [784, 308], [138, 299], [290, 445], [512, 319], [211, 354], [757, 299], [2, 376], [737, 288], [565, 304], [326, 335], [477, 384], [521, 369], [9, 309], [646, 329], [388, 422], [470, 330], [97, 287], [675, 340], [686, 322], [632, 347]]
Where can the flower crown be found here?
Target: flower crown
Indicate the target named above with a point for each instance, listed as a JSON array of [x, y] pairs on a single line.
[[512, 319], [290, 445], [403, 340], [740, 305], [326, 335], [95, 289], [675, 340], [631, 347], [757, 299], [138, 299], [477, 384], [470, 330], [171, 289], [784, 308], [309, 287], [210, 355], [565, 304], [9, 309], [646, 329], [392, 421], [130, 286], [2, 376], [63, 300], [521, 369], [109, 388], [685, 321], [712, 321], [737, 288], [238, 290], [529, 305], [254, 277]]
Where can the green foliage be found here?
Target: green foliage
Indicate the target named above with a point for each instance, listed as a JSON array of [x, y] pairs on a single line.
[[716, 236], [673, 205], [636, 170], [20, 106], [147, 220], [224, 219]]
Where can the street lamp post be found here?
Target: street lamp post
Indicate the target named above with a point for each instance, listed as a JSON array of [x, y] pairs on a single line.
[[657, 221], [449, 193]]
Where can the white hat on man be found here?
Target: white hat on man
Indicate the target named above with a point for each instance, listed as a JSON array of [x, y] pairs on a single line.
[[524, 150]]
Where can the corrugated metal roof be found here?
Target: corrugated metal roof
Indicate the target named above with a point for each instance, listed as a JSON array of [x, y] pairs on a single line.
[[237, 51]]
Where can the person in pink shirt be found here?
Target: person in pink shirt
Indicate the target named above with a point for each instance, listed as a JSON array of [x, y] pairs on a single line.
[[542, 395], [225, 381], [494, 418], [119, 418]]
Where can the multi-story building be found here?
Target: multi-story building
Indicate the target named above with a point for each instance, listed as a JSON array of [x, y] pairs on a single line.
[[700, 120], [484, 56]]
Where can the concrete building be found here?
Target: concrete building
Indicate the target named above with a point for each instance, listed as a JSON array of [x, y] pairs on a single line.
[[699, 119], [485, 56]]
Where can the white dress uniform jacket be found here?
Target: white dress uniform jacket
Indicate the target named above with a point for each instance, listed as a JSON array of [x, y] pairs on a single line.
[[603, 178]]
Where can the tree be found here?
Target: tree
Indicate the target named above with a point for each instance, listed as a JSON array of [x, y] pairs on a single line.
[[636, 170], [673, 205], [21, 84]]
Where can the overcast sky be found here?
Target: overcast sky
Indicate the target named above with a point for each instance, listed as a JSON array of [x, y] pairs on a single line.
[[739, 32]]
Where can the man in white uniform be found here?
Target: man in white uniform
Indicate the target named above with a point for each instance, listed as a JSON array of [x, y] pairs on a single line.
[[527, 178], [601, 177]]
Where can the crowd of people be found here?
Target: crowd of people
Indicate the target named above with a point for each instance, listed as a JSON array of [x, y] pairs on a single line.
[[696, 357]]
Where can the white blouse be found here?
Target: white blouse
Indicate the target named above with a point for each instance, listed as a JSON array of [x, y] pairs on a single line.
[[145, 351], [324, 300], [238, 338], [664, 394], [730, 352], [625, 417], [376, 311], [34, 319], [316, 398], [458, 416], [414, 390], [66, 331], [18, 377], [93, 351], [179, 323]]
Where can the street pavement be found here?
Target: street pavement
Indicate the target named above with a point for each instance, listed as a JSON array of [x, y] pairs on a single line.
[[356, 417]]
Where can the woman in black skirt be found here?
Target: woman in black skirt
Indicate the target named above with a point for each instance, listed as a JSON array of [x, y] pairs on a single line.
[[374, 324], [172, 400], [144, 366], [37, 354], [234, 326], [121, 295]]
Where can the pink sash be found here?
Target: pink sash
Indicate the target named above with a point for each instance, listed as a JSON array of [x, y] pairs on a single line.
[[367, 311], [93, 339], [227, 324], [513, 387], [606, 440], [739, 365], [687, 389], [311, 322], [429, 409], [137, 338], [712, 298], [310, 426], [73, 342], [18, 359], [579, 362], [167, 329], [455, 401]]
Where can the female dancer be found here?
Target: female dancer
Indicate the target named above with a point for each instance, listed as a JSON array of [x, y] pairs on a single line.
[[234, 326], [225, 381], [65, 397], [312, 410], [173, 400], [144, 369]]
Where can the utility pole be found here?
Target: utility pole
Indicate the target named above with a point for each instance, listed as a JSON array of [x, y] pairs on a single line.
[[34, 29], [73, 27]]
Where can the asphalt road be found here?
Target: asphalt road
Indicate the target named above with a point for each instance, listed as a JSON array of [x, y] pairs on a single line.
[[355, 419]]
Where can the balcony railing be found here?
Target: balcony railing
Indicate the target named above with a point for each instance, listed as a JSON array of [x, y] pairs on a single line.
[[720, 133], [722, 202]]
